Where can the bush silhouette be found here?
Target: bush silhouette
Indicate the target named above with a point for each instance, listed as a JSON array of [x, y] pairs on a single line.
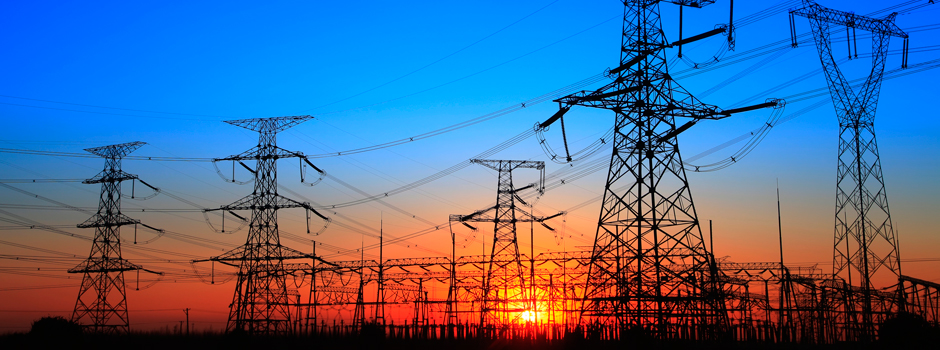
[[907, 329], [55, 327]]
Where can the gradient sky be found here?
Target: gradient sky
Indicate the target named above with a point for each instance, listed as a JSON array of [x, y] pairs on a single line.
[[79, 75]]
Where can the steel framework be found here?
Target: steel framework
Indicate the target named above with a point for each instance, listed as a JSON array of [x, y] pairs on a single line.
[[865, 251], [920, 297], [504, 288], [765, 301], [261, 303], [102, 298], [650, 270]]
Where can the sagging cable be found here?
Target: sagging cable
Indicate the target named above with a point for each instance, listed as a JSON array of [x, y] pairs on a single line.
[[303, 172], [232, 180], [327, 221], [156, 191]]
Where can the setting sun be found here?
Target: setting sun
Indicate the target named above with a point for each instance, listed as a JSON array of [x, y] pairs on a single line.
[[528, 316]]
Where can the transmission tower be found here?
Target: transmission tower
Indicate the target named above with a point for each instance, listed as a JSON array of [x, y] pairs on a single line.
[[504, 292], [260, 304], [650, 270], [865, 250], [102, 300]]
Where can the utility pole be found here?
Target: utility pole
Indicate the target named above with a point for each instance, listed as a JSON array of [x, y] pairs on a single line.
[[312, 296], [380, 294], [533, 308], [786, 316], [862, 216], [261, 304], [101, 306], [186, 311], [452, 287], [359, 315]]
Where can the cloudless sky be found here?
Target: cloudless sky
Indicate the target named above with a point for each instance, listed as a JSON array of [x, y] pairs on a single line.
[[85, 74]]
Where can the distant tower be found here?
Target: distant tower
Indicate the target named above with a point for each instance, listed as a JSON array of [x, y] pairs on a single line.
[[504, 292], [865, 245], [260, 304], [102, 302]]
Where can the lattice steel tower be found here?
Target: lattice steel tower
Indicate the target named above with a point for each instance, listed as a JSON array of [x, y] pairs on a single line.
[[865, 251], [650, 270], [260, 304], [102, 300], [504, 291]]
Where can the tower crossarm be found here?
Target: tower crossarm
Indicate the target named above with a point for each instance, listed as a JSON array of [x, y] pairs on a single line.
[[270, 125], [606, 97], [609, 97], [253, 201], [92, 265], [814, 11], [484, 216], [108, 220], [258, 152], [101, 265], [116, 151], [477, 216], [689, 3], [235, 256], [110, 176], [513, 164]]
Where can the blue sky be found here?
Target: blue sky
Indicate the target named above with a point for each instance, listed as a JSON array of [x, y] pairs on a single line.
[[372, 72]]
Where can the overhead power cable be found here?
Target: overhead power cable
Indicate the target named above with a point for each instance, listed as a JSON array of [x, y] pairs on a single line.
[[483, 155], [531, 102], [757, 135], [436, 61]]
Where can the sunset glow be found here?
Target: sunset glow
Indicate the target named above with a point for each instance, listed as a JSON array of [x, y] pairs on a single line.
[[482, 166]]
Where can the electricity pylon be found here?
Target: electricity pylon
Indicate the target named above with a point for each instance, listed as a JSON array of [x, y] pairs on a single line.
[[102, 300], [504, 291], [865, 245], [260, 304], [650, 270]]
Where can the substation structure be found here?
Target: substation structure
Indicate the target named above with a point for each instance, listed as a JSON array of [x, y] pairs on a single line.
[[763, 301]]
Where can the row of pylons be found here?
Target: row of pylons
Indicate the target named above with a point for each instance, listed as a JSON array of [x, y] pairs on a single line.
[[649, 271]]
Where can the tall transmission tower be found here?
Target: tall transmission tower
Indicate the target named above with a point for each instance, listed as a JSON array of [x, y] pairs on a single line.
[[102, 299], [650, 270], [504, 291], [260, 304], [865, 250]]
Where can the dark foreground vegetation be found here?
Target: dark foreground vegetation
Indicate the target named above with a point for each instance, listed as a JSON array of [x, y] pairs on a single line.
[[59, 333]]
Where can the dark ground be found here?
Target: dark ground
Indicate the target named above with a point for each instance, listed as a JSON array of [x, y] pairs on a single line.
[[900, 333], [145, 341]]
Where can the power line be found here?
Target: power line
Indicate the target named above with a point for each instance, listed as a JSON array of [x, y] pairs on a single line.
[[435, 61]]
